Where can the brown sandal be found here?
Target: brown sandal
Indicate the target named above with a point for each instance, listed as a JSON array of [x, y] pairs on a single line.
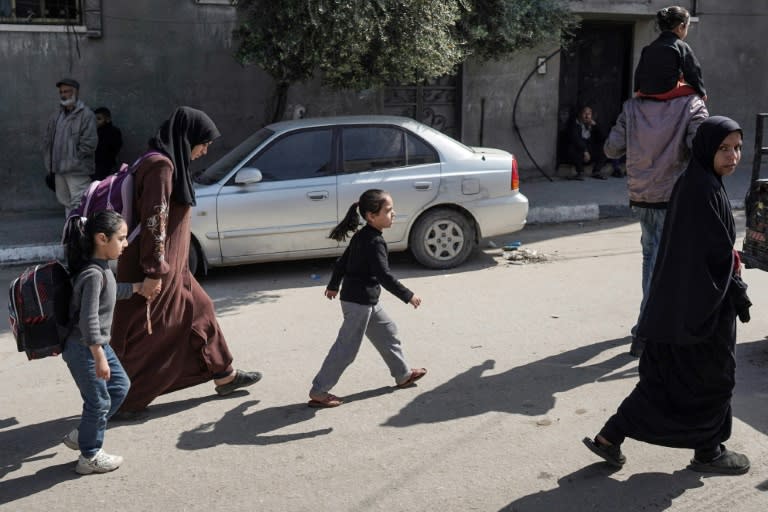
[[416, 374], [326, 402]]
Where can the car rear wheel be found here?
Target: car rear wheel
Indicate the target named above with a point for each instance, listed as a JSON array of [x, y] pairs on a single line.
[[442, 238], [195, 259]]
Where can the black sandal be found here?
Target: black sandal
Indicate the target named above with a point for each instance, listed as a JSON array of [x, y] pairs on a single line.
[[727, 463], [242, 379], [610, 453]]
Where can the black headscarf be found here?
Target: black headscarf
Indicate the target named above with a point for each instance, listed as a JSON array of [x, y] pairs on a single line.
[[695, 260], [186, 128]]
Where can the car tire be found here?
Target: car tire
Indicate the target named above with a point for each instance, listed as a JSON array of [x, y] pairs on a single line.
[[195, 259], [442, 238]]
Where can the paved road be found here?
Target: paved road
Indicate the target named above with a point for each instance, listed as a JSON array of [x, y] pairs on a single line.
[[524, 361]]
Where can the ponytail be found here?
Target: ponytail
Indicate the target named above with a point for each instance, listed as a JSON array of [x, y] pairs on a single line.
[[350, 222], [79, 233], [370, 201]]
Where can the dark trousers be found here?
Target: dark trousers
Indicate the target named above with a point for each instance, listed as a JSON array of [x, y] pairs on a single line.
[[596, 153]]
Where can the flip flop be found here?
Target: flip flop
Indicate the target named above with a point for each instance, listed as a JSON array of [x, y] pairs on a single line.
[[611, 454], [416, 374], [325, 403]]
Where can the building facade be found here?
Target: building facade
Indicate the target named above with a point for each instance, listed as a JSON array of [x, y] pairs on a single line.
[[142, 58]]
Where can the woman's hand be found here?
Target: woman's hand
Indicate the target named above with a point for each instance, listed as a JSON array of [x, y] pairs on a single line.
[[100, 362], [415, 301], [150, 288], [331, 294]]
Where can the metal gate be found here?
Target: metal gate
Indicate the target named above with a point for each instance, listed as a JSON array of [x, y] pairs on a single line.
[[436, 103]]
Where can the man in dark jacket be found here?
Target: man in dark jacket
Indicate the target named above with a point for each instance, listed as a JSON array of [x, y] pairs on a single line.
[[110, 143], [585, 145]]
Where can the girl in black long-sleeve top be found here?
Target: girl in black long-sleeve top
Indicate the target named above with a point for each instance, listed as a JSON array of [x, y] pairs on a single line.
[[668, 67], [364, 269]]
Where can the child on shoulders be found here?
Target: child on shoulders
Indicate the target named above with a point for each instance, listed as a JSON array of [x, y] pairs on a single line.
[[668, 67]]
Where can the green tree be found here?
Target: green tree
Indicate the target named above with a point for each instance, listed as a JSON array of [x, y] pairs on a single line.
[[360, 44], [498, 28]]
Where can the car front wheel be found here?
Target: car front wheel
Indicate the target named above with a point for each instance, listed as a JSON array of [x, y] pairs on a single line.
[[442, 238]]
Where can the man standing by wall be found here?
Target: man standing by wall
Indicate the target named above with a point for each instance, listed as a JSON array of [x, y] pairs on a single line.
[[110, 143], [69, 145], [656, 137]]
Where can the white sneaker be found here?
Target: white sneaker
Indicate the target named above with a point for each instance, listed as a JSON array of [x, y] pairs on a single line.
[[70, 440], [102, 462]]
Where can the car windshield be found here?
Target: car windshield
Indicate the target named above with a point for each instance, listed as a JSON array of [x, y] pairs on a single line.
[[223, 165]]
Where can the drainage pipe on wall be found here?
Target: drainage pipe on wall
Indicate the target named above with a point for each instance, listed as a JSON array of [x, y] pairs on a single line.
[[514, 112]]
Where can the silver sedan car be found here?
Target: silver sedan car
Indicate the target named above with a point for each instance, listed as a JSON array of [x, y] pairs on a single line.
[[279, 193]]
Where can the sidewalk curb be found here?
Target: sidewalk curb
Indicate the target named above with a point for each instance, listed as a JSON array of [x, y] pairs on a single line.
[[29, 254]]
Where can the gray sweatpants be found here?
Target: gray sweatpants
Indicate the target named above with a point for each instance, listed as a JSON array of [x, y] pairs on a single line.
[[361, 321]]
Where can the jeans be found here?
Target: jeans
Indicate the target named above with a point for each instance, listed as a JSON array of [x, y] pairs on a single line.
[[651, 226], [101, 399], [359, 321]]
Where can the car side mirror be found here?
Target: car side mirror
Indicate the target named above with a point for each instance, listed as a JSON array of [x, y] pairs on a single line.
[[248, 175]]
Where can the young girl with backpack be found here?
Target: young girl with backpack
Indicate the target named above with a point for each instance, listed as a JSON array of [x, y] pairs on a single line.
[[99, 376], [364, 267]]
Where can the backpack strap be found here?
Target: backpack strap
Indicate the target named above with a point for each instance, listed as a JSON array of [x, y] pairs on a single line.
[[75, 316]]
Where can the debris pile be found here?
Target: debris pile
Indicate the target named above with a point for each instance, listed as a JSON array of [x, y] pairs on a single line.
[[518, 256]]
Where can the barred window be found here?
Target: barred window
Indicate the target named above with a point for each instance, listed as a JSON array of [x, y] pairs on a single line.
[[41, 12]]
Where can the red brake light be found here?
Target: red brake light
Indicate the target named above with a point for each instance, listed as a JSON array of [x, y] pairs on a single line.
[[515, 176]]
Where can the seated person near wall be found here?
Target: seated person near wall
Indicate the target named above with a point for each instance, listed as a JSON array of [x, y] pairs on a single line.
[[585, 145]]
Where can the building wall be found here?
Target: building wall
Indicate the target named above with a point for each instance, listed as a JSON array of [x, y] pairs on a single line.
[[156, 55], [153, 56], [728, 39]]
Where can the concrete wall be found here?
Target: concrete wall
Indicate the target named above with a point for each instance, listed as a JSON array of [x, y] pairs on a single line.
[[156, 55], [490, 89], [153, 56], [729, 40]]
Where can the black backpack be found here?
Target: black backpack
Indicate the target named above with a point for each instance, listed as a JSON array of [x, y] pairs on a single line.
[[39, 309]]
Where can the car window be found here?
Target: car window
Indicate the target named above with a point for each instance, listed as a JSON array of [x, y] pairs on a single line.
[[223, 165], [298, 155], [418, 152], [367, 148]]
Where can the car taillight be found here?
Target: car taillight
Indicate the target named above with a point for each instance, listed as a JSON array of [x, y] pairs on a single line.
[[515, 176]]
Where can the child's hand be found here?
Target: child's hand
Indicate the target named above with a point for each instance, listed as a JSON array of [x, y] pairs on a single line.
[[100, 362], [331, 294], [415, 302]]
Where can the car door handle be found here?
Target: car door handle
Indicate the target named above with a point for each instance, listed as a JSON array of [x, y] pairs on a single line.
[[422, 185], [318, 195]]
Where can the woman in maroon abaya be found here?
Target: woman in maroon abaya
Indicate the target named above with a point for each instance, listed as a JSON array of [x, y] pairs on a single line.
[[174, 341]]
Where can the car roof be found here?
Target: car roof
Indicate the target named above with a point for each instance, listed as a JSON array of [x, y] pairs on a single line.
[[333, 120]]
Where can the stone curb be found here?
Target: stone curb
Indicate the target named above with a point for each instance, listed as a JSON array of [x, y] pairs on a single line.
[[28, 254]]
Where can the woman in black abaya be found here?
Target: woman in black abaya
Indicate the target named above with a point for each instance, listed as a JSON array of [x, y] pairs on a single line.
[[687, 370]]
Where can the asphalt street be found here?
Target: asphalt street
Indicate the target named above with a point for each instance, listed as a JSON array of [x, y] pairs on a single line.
[[524, 360]]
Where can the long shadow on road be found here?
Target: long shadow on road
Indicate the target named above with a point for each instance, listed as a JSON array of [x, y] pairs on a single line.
[[238, 427], [751, 394], [529, 389], [22, 445], [591, 488]]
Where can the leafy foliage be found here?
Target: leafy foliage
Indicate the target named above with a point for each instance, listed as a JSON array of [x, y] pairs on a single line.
[[354, 43], [497, 28], [361, 44]]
